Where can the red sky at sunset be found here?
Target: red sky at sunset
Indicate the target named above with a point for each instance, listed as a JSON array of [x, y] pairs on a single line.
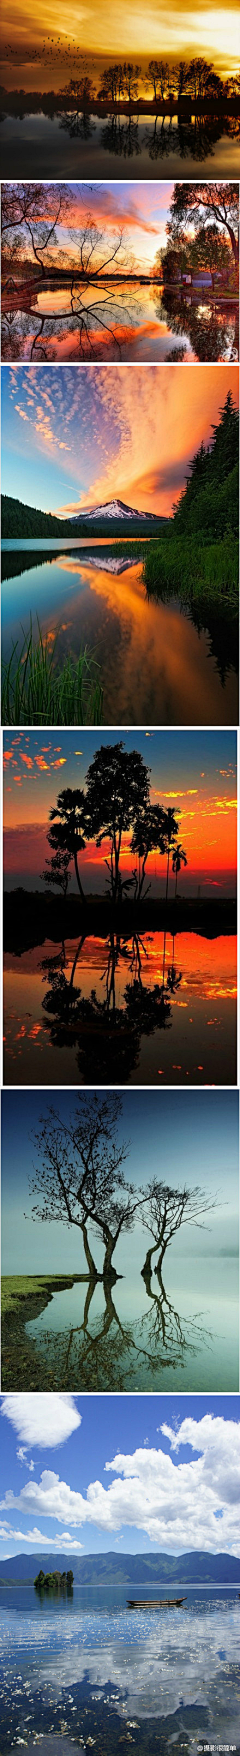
[[196, 773]]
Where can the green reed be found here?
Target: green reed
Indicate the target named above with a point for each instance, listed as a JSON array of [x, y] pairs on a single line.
[[36, 691]]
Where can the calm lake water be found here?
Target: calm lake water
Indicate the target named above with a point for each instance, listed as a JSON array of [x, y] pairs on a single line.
[[160, 663], [128, 322], [86, 1668], [182, 1336], [147, 1012], [56, 146]]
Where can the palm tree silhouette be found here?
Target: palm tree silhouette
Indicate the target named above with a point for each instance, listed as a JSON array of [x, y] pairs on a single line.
[[170, 832], [179, 859]]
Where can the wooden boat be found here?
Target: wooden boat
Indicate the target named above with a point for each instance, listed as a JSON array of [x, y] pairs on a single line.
[[155, 1603]]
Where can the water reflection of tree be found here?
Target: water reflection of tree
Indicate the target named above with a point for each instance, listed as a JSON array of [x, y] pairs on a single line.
[[121, 137], [213, 332], [195, 139], [146, 1348], [107, 1036]]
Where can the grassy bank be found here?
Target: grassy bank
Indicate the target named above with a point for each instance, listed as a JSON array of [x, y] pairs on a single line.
[[36, 691], [194, 570], [23, 1298]]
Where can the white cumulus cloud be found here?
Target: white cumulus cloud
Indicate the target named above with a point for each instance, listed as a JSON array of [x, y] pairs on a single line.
[[179, 1505], [39, 1419]]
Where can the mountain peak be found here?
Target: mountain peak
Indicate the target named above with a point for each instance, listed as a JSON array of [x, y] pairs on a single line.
[[110, 509]]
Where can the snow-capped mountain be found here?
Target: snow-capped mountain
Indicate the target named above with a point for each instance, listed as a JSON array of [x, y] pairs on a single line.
[[111, 509]]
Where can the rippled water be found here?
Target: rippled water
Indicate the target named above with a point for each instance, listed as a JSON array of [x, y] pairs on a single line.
[[160, 663], [186, 1034], [87, 1668]]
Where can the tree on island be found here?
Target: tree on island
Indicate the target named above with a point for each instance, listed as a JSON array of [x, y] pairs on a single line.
[[117, 789], [54, 1581], [80, 1175], [164, 1211], [198, 203], [70, 831]]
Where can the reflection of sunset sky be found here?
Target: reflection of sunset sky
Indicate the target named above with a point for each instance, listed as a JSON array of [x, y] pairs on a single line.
[[40, 49], [73, 438], [194, 773]]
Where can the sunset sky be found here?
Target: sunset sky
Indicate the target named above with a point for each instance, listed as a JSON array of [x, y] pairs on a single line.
[[40, 52], [195, 773], [73, 436], [140, 210]]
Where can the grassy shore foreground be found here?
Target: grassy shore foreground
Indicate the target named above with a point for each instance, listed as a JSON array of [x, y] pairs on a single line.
[[23, 1297]]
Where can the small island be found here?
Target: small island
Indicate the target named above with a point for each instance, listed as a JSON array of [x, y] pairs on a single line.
[[54, 1581]]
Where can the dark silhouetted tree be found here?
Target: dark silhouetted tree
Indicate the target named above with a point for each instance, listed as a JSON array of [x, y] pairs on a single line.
[[117, 789], [164, 1211], [149, 833], [80, 1174], [57, 872], [179, 859], [70, 830], [198, 204]]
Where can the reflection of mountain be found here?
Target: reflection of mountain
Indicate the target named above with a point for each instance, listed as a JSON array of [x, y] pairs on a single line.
[[111, 563]]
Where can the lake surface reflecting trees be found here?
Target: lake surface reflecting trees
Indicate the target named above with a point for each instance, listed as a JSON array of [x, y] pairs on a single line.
[[128, 321], [83, 145], [147, 1009], [161, 662]]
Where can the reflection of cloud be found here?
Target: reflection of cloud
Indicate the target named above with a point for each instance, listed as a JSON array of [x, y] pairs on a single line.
[[148, 1667]]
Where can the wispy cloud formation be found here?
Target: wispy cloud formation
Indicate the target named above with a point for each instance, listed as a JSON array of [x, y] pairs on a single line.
[[128, 429]]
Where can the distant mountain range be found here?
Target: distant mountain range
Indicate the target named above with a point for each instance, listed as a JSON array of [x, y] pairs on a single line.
[[112, 509], [196, 1567]]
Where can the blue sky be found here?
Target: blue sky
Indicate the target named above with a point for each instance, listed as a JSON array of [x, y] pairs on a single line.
[[190, 1137], [173, 1481]]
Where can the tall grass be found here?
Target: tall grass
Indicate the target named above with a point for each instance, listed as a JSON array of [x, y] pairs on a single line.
[[194, 569], [35, 691]]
